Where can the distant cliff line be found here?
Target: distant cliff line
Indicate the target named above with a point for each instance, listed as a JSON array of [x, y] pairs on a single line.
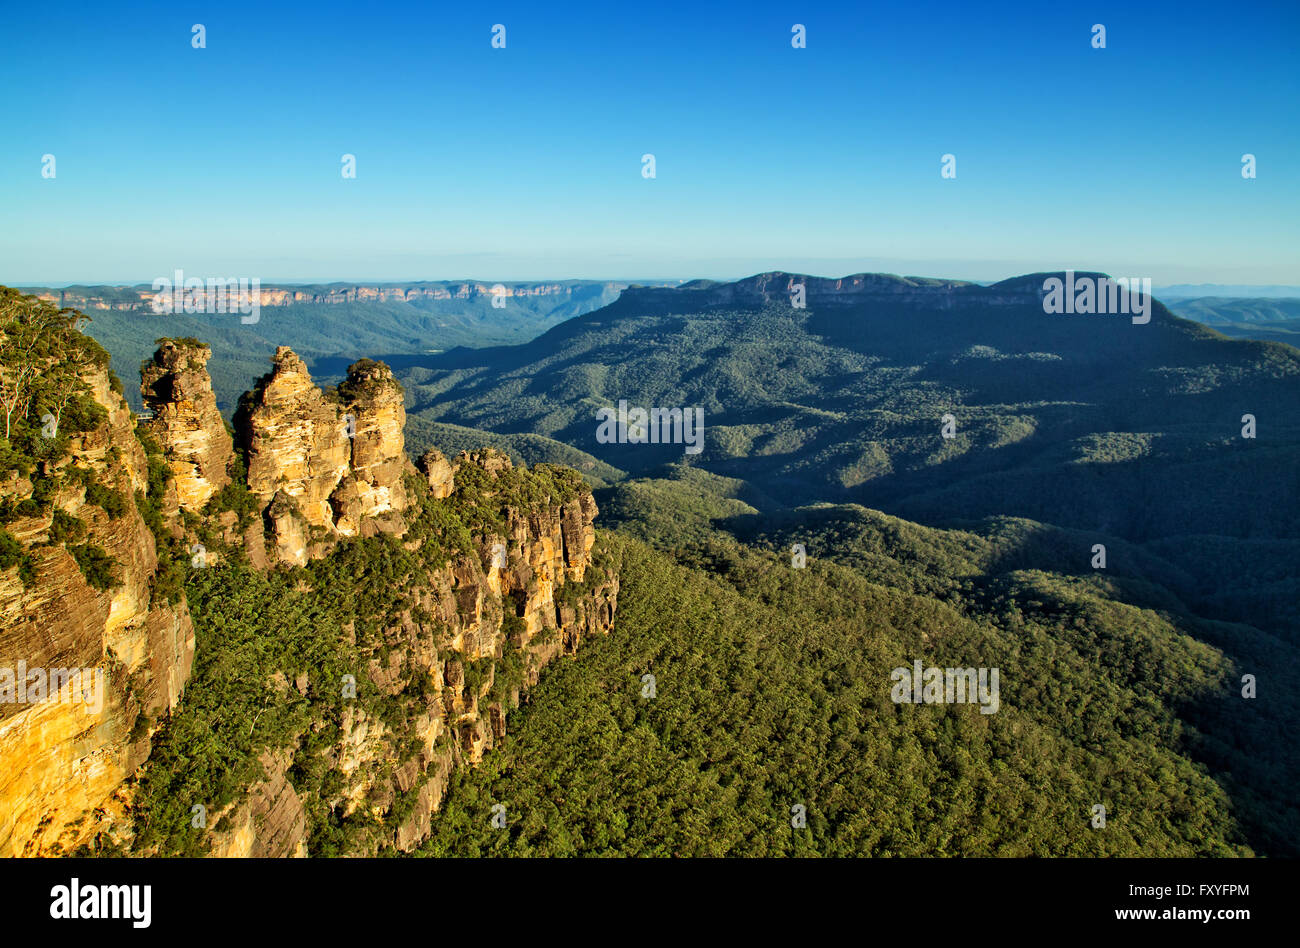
[[141, 297]]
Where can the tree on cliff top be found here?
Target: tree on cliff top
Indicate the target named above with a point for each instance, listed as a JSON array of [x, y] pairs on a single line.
[[41, 358]]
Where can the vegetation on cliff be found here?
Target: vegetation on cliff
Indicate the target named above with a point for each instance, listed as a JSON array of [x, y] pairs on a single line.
[[276, 649], [46, 402]]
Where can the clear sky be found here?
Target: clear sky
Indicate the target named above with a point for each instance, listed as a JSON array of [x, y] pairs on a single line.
[[525, 162]]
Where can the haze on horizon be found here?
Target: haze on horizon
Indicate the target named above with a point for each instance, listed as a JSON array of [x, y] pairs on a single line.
[[725, 273]]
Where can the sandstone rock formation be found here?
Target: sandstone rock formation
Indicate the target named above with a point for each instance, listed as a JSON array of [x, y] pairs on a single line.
[[476, 624], [376, 416], [297, 441], [340, 460], [532, 591], [438, 473], [186, 422], [61, 761]]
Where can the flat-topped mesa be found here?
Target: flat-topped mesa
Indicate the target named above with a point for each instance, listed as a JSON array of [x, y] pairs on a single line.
[[186, 421], [340, 459]]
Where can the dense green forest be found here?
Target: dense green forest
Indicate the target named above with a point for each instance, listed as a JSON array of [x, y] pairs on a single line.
[[771, 690]]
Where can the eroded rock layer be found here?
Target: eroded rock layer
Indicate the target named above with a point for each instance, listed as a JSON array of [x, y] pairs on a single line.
[[525, 595], [65, 753]]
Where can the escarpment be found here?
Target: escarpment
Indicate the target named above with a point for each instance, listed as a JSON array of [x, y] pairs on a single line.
[[95, 648], [364, 628], [443, 641]]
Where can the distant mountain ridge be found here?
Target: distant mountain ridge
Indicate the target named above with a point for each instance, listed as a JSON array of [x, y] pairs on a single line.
[[1085, 422], [1266, 318], [781, 287], [140, 297], [1239, 290]]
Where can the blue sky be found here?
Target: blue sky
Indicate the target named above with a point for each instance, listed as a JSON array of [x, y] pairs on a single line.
[[525, 163]]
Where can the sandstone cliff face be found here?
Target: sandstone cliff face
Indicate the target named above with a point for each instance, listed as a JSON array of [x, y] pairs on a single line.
[[270, 824], [186, 422], [479, 620], [62, 760], [340, 461], [526, 595], [376, 418], [297, 441], [438, 473]]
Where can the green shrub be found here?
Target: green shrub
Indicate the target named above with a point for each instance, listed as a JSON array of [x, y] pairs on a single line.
[[101, 570], [12, 554], [66, 527]]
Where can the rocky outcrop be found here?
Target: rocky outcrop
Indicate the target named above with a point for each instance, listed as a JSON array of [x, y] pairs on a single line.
[[376, 417], [438, 473], [474, 636], [340, 460], [508, 579], [270, 824], [531, 591], [297, 441], [288, 528], [63, 759], [176, 388]]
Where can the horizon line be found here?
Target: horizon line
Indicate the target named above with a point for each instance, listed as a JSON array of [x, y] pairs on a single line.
[[630, 281]]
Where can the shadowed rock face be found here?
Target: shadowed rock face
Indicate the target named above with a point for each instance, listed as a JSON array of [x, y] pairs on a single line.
[[63, 761], [186, 422]]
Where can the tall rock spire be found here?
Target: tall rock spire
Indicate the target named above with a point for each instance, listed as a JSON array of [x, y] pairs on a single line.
[[186, 422]]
